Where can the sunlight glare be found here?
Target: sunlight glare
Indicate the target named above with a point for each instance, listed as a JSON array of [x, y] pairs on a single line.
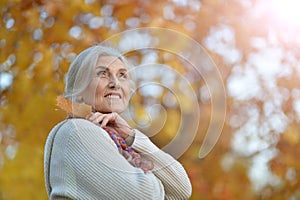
[[287, 11]]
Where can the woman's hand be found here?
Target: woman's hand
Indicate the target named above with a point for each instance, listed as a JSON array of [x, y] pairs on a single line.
[[112, 120]]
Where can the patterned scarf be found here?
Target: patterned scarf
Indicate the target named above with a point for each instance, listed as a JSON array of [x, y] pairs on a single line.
[[131, 156]]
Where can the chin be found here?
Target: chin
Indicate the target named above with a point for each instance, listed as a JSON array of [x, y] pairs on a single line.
[[110, 110], [118, 110]]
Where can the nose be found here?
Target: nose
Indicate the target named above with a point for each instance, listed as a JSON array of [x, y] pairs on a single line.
[[113, 82]]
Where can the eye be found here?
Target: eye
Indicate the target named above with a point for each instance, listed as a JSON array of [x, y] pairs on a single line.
[[123, 75], [102, 73]]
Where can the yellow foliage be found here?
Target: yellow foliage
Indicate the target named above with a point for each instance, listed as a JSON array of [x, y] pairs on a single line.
[[41, 65], [292, 135], [172, 124]]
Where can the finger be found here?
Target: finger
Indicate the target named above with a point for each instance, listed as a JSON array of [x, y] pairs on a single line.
[[113, 117], [105, 120], [96, 118], [99, 120], [109, 118]]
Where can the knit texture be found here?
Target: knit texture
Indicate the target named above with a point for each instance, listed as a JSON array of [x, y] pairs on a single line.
[[128, 152], [81, 161]]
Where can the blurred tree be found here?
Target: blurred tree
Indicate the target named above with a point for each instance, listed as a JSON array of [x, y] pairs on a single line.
[[256, 53]]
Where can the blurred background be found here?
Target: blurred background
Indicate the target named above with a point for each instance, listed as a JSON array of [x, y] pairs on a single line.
[[255, 45]]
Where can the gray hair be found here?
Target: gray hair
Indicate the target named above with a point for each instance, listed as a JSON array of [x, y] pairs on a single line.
[[82, 69]]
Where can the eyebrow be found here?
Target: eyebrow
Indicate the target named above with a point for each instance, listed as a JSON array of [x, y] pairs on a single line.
[[102, 67], [107, 69]]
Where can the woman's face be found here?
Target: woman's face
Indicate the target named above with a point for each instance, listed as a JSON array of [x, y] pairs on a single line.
[[109, 90]]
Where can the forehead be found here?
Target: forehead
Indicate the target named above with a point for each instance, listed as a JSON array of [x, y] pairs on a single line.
[[111, 62]]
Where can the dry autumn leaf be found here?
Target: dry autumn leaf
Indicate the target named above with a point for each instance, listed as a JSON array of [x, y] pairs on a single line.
[[73, 108]]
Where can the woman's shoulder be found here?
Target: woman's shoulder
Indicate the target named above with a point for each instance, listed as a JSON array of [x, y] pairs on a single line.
[[74, 123], [77, 121], [74, 127], [81, 133]]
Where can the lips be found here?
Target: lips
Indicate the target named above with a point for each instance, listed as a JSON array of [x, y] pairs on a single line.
[[113, 96]]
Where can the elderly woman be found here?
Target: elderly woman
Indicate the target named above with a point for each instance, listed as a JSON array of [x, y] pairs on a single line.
[[101, 156]]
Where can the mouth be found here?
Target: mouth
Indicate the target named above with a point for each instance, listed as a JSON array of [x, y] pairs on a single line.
[[113, 96]]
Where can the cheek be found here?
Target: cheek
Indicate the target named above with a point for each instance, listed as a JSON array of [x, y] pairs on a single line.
[[127, 90], [94, 90], [98, 96], [100, 85], [99, 92]]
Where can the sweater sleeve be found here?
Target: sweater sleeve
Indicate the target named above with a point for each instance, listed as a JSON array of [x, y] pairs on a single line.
[[86, 164], [171, 173]]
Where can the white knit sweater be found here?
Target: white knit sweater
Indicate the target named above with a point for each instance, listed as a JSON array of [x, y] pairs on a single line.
[[82, 162]]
